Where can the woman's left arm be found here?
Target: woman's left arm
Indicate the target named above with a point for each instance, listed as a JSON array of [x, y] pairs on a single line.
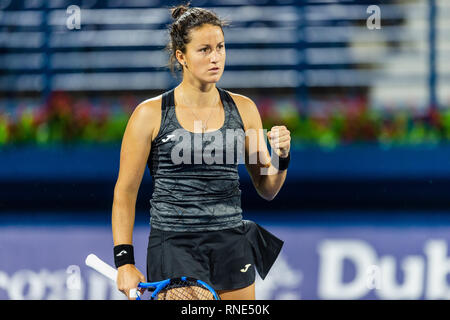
[[266, 178]]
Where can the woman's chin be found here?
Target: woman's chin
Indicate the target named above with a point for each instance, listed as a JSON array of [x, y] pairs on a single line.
[[211, 79]]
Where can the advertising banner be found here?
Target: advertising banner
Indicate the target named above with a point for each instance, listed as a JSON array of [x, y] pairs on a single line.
[[316, 262]]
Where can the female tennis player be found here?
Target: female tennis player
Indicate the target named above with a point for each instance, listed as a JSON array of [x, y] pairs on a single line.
[[197, 229]]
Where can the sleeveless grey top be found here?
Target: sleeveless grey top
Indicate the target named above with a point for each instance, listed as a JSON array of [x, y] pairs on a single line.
[[195, 175]]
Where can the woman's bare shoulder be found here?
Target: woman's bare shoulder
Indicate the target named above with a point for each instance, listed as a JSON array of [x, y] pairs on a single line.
[[152, 101], [247, 109], [240, 98], [147, 115]]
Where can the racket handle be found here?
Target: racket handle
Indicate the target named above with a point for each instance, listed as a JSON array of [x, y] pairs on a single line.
[[99, 265]]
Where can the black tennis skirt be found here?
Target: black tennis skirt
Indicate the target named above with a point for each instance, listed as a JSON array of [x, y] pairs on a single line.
[[225, 259]]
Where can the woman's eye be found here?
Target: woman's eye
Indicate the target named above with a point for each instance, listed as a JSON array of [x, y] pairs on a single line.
[[206, 49]]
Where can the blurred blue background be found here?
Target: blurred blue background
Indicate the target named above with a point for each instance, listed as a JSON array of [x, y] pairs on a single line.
[[363, 86]]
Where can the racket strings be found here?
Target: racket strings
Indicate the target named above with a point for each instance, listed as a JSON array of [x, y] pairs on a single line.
[[185, 290]]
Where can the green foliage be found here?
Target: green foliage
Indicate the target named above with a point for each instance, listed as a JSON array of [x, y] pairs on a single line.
[[65, 120]]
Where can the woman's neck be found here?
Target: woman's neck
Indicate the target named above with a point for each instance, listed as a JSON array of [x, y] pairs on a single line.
[[198, 96]]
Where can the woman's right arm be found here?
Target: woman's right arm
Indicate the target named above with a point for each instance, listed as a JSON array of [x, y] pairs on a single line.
[[141, 129]]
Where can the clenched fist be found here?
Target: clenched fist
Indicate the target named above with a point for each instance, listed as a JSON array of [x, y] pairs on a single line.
[[280, 140]]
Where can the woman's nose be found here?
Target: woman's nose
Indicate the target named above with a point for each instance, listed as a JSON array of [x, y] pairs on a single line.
[[215, 56]]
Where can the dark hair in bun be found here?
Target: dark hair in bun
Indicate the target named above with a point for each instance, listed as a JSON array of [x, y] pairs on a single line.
[[179, 10], [185, 19]]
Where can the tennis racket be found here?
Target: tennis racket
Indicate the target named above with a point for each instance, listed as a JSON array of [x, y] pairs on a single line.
[[182, 288]]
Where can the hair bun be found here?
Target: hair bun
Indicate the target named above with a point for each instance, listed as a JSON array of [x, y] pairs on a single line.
[[179, 10]]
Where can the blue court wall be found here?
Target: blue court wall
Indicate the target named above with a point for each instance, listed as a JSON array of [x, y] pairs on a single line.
[[364, 176], [101, 162]]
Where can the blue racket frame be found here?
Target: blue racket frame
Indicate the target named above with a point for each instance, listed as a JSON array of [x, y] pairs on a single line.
[[158, 286]]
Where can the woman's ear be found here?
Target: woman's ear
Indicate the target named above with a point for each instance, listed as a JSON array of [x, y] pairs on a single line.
[[180, 58]]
